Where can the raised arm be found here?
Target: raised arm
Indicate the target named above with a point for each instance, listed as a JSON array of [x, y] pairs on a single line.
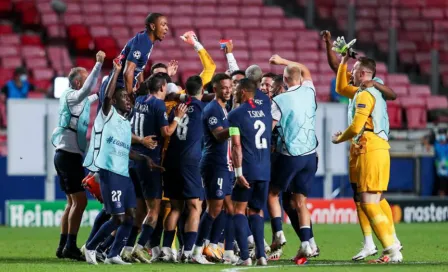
[[342, 86], [332, 59], [277, 60], [89, 84], [111, 87], [231, 61], [128, 75]]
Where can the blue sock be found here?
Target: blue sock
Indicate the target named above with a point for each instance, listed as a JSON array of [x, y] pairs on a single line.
[[107, 243], [100, 219], [305, 234], [181, 228], [121, 238], [249, 231], [132, 236], [157, 234], [276, 224], [241, 225], [229, 233], [63, 240], [71, 241], [205, 227], [168, 238], [105, 230], [189, 238], [217, 228], [294, 218], [147, 231], [257, 226]]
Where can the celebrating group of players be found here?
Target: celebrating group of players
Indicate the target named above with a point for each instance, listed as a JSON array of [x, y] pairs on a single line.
[[232, 141]]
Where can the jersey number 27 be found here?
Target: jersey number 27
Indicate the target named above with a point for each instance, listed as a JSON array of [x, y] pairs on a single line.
[[260, 143]]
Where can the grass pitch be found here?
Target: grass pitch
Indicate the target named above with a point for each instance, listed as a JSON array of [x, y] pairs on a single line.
[[425, 249]]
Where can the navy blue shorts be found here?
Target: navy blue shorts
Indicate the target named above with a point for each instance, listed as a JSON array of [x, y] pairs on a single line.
[[218, 183], [150, 181], [182, 183], [256, 196], [138, 188], [70, 171], [117, 191], [294, 173]]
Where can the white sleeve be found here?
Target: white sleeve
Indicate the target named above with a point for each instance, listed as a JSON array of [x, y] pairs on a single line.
[[275, 112], [233, 65], [92, 98], [77, 97]]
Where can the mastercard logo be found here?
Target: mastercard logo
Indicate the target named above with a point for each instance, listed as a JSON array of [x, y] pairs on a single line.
[[397, 213]]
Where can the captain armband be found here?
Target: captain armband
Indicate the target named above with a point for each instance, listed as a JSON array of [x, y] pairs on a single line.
[[233, 131]]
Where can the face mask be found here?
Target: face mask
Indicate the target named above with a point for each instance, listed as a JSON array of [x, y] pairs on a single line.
[[23, 77], [441, 138]]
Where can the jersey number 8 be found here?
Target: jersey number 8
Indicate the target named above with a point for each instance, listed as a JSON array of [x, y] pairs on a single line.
[[260, 143]]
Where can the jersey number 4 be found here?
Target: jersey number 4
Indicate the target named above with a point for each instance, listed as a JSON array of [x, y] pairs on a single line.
[[260, 143]]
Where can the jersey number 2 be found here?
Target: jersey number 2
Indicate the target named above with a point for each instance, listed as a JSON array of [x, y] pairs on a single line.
[[260, 143]]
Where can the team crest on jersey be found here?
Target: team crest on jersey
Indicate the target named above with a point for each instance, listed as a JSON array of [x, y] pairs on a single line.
[[212, 120], [219, 193], [137, 54], [117, 204]]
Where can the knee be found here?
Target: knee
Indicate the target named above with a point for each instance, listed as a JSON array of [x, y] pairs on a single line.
[[214, 211], [118, 219], [194, 208], [273, 192]]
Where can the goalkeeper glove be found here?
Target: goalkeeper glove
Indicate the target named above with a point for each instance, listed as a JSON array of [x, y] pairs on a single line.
[[341, 47], [191, 38]]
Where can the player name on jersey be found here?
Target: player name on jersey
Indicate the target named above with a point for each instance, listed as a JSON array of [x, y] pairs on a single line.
[[256, 114]]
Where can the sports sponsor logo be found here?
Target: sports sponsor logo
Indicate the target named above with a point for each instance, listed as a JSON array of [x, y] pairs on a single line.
[[420, 211], [45, 214], [112, 140]]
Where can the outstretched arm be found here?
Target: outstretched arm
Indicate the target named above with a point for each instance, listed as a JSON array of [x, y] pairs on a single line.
[[387, 92], [231, 61], [111, 86], [331, 55], [277, 60]]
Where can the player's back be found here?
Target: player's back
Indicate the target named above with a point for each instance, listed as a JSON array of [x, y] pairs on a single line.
[[216, 154], [262, 100], [255, 126], [185, 144], [149, 113]]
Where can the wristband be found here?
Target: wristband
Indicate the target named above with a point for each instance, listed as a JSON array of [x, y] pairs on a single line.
[[182, 97], [238, 172], [198, 46], [177, 119]]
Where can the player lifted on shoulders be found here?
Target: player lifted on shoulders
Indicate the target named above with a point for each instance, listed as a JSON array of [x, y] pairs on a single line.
[[369, 130], [250, 130]]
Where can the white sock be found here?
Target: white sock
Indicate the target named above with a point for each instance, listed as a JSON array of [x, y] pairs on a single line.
[[396, 238], [221, 245], [228, 254], [250, 239], [305, 244], [198, 250], [313, 243], [206, 242], [139, 246], [213, 246], [368, 241], [127, 249], [155, 250], [188, 253], [278, 233]]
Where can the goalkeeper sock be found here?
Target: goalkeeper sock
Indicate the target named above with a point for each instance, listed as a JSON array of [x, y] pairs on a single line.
[[365, 226], [385, 207], [379, 223]]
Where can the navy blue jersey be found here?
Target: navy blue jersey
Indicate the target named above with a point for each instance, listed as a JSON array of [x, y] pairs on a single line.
[[216, 155], [255, 126], [149, 117], [185, 147], [262, 99]]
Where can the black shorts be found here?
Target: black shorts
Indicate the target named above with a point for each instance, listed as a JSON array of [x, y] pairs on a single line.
[[138, 188], [70, 171]]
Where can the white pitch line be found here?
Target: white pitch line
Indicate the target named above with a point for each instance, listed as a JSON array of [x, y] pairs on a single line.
[[235, 269]]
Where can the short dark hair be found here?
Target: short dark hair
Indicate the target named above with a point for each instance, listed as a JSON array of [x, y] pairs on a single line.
[[152, 19], [193, 85], [238, 72], [247, 84], [369, 64], [278, 79], [157, 65], [271, 75], [118, 92], [156, 81], [19, 71], [218, 77], [208, 87]]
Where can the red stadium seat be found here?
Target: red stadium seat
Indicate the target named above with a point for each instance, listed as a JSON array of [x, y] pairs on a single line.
[[419, 90], [121, 31], [50, 19], [250, 23], [32, 51], [235, 34], [312, 56], [323, 92], [181, 22], [261, 56], [397, 79], [184, 10], [29, 39], [251, 12], [241, 55], [5, 6], [11, 62], [415, 112], [36, 95], [401, 91], [43, 74], [206, 11], [394, 111], [211, 34], [74, 7], [99, 31], [59, 57], [9, 39], [5, 29], [42, 84], [75, 31], [259, 34], [282, 44], [73, 19], [34, 63], [205, 22], [114, 9], [274, 23], [437, 102], [259, 44], [229, 11], [87, 63], [90, 8], [227, 23], [5, 75]]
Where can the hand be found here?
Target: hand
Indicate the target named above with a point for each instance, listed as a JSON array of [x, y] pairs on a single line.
[[345, 59], [229, 47], [152, 165], [276, 60], [181, 110], [100, 56], [366, 84], [326, 35], [149, 142], [117, 65], [172, 68], [335, 137], [242, 182], [189, 37]]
